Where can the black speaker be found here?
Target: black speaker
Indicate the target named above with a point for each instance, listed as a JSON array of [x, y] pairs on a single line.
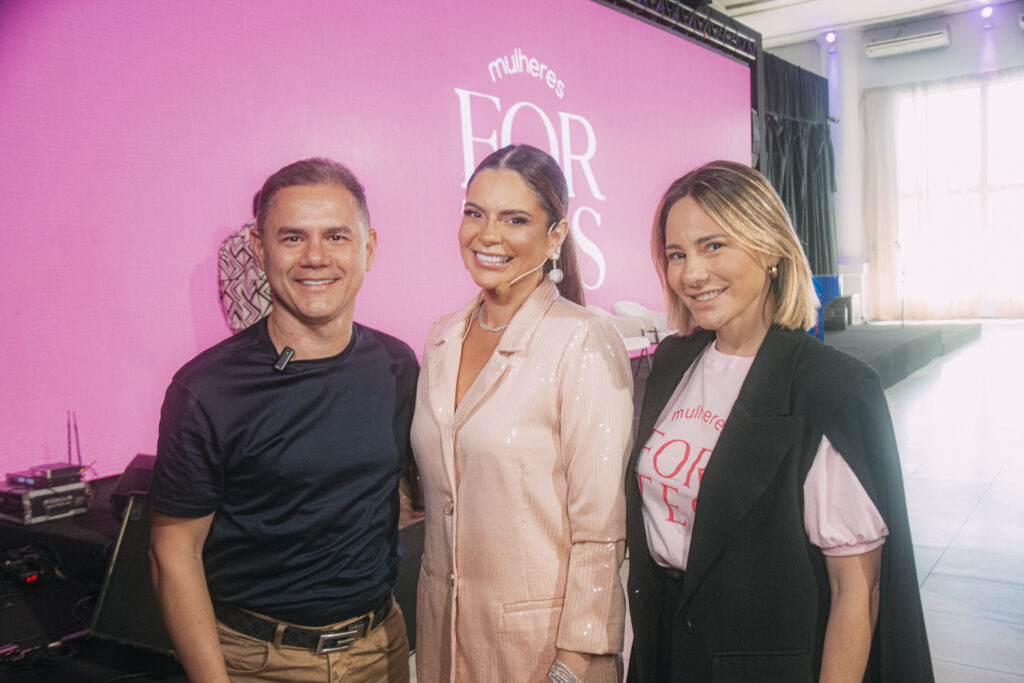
[[136, 479], [837, 314], [127, 611]]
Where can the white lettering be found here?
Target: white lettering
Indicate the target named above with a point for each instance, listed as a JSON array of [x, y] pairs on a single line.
[[510, 115], [588, 247], [496, 68], [568, 157], [519, 63], [465, 113], [493, 140]]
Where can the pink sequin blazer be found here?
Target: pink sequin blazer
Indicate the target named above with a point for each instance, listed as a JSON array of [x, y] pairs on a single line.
[[525, 521]]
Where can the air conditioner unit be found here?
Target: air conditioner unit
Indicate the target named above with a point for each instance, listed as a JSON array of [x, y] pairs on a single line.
[[905, 44]]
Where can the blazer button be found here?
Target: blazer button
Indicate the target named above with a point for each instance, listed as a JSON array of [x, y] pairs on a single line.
[[451, 578], [689, 625], [449, 507]]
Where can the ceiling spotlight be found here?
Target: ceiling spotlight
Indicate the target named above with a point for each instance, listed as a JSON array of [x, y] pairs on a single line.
[[830, 37], [986, 12]]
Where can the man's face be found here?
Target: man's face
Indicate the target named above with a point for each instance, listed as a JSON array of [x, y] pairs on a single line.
[[315, 249]]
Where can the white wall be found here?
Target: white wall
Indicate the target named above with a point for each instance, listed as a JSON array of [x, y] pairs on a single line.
[[806, 55], [973, 49]]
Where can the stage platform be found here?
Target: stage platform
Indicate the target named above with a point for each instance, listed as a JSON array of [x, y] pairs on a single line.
[[895, 351]]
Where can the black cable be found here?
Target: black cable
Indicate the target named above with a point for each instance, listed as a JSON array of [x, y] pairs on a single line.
[[55, 654], [84, 619]]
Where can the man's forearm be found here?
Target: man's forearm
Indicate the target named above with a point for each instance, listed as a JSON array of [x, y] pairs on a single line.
[[184, 599]]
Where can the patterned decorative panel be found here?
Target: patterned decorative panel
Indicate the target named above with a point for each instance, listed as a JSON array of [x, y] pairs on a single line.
[[244, 292]]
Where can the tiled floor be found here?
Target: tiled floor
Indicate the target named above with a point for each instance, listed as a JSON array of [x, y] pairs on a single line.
[[958, 422]]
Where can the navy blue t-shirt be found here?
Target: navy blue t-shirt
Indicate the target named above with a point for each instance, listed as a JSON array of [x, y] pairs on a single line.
[[300, 467]]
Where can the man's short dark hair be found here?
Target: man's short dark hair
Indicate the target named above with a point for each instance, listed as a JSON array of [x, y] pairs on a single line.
[[315, 171]]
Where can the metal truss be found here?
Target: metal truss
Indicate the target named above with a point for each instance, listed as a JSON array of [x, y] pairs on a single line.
[[701, 25]]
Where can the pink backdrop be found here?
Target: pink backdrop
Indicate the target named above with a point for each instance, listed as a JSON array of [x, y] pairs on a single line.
[[133, 135]]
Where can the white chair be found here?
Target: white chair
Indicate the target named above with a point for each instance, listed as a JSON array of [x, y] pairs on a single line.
[[632, 331], [655, 323]]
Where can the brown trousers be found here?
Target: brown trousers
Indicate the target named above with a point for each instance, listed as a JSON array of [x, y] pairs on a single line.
[[382, 656]]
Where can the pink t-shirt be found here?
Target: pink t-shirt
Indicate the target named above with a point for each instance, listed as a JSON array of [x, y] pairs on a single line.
[[839, 517]]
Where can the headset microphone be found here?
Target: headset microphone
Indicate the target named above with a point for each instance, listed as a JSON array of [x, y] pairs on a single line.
[[505, 287]]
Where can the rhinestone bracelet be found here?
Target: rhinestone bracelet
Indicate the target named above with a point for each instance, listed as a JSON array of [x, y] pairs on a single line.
[[560, 673]]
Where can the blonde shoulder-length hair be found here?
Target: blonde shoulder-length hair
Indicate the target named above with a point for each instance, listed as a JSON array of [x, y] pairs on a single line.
[[746, 207]]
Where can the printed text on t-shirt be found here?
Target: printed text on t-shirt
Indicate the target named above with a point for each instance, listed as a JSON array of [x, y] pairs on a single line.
[[700, 414], [669, 461]]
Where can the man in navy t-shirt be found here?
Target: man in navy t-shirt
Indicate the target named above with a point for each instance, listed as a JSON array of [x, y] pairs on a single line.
[[275, 498]]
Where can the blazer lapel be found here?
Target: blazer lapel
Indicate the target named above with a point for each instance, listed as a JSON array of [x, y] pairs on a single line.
[[756, 438], [674, 356], [509, 353], [442, 364], [441, 367]]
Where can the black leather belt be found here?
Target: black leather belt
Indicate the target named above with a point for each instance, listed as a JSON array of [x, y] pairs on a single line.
[[671, 572], [321, 641]]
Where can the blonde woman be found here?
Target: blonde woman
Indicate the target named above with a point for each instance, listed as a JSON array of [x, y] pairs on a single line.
[[767, 524]]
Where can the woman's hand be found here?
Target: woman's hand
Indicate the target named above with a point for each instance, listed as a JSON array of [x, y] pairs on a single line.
[[854, 581], [578, 662]]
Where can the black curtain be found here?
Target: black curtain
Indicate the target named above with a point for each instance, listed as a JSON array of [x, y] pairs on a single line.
[[797, 156]]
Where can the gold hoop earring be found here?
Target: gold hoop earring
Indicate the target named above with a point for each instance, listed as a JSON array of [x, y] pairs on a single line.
[[773, 272]]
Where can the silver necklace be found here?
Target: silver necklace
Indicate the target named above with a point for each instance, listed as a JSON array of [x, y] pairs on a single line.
[[480, 320]]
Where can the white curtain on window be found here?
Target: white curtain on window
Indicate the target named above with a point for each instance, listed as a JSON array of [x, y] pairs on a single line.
[[943, 187]]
